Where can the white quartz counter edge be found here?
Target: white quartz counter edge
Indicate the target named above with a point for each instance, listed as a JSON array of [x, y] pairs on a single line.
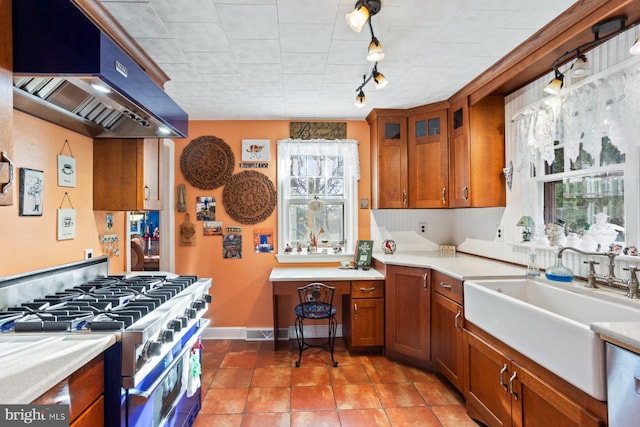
[[460, 266], [293, 274], [627, 333], [34, 363]]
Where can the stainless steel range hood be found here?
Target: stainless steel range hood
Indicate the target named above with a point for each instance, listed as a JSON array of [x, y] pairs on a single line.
[[68, 72]]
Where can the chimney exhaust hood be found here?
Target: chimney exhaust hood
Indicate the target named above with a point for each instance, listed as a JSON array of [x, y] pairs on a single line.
[[66, 71]]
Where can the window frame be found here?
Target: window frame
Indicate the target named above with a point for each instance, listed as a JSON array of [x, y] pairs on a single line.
[[349, 199]]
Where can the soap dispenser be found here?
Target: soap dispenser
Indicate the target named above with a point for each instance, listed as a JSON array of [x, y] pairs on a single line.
[[532, 266], [559, 272]]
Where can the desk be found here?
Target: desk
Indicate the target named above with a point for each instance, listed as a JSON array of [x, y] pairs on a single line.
[[287, 280]]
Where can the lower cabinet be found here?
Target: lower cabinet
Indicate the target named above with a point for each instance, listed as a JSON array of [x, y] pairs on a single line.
[[363, 315], [501, 391], [447, 320], [408, 314]]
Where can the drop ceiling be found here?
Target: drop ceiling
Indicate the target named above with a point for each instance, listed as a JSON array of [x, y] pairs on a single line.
[[298, 59]]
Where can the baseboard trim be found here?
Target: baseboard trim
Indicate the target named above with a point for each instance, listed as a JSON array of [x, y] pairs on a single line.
[[264, 334]]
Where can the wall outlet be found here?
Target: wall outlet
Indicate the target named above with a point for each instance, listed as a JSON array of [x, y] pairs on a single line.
[[88, 253], [422, 228], [500, 234]]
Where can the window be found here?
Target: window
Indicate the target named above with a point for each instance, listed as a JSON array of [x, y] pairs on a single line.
[[575, 191], [317, 196]]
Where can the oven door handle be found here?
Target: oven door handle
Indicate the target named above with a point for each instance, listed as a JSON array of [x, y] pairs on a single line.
[[192, 341]]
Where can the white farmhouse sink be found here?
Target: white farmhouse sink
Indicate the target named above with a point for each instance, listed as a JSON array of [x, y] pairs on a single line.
[[548, 324]]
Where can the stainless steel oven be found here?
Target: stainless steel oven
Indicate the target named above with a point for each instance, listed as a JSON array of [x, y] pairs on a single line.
[[152, 374]]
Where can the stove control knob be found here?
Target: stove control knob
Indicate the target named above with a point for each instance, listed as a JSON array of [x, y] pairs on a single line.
[[190, 313], [207, 298], [154, 349], [197, 304], [183, 321], [166, 335], [174, 325]]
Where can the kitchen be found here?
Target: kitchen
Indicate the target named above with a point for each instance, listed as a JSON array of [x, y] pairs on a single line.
[[239, 304]]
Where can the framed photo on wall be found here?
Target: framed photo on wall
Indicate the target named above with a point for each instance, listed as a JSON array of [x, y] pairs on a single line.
[[256, 150], [31, 192]]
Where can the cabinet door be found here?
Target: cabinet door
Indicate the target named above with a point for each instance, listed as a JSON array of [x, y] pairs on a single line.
[[6, 107], [535, 403], [446, 338], [391, 167], [428, 159], [459, 155], [487, 373], [407, 313], [367, 322]]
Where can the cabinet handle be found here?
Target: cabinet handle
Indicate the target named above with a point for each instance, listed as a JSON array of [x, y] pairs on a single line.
[[7, 185], [456, 319], [502, 372], [371, 289], [465, 192], [511, 390], [404, 197], [424, 281], [445, 285], [355, 311], [444, 195], [147, 193]]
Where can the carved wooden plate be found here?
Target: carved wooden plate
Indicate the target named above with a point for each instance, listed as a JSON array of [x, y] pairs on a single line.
[[207, 162], [249, 197]]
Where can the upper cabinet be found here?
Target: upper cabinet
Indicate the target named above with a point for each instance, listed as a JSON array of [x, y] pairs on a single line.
[[126, 174], [389, 165], [428, 156], [476, 153]]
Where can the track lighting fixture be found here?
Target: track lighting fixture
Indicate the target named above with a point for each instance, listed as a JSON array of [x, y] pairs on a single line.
[[580, 68], [362, 12], [378, 78]]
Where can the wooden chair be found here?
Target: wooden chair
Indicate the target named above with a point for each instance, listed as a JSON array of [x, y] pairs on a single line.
[[316, 303]]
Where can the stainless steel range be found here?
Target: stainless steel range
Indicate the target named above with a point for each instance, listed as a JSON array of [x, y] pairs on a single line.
[[157, 320]]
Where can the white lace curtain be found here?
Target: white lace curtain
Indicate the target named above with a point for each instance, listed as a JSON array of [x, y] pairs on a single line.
[[606, 106]]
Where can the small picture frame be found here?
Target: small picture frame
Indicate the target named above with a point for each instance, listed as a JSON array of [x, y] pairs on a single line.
[[66, 171], [31, 192], [256, 150]]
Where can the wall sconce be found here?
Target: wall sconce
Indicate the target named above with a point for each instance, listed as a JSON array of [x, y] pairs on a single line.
[[508, 174], [527, 223], [580, 68]]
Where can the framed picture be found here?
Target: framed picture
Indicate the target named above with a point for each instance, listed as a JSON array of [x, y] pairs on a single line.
[[256, 150], [66, 224], [31, 192], [66, 171]]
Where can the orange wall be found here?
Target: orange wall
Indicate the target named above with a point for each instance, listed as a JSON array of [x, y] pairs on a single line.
[[241, 289], [30, 242]]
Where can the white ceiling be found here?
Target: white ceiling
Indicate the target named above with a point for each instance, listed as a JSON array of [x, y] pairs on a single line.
[[298, 59]]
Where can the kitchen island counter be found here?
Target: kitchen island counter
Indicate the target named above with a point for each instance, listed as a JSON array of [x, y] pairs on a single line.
[[34, 363]]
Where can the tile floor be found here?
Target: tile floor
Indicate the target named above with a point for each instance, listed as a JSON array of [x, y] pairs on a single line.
[[248, 384]]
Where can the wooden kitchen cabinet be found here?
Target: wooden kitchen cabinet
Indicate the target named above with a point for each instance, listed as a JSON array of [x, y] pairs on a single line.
[[476, 153], [126, 174], [389, 159], [363, 315], [428, 156], [447, 321], [408, 314], [503, 392]]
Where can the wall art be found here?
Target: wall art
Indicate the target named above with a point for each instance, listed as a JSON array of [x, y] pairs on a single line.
[[66, 167], [232, 243], [212, 228], [66, 224], [256, 150], [205, 208], [31, 192], [263, 240]]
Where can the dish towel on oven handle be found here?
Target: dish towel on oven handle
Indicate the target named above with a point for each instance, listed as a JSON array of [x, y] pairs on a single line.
[[194, 371]]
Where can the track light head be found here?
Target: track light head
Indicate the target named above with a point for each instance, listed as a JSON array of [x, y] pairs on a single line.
[[556, 84], [375, 52], [379, 79], [361, 100], [580, 68], [362, 12]]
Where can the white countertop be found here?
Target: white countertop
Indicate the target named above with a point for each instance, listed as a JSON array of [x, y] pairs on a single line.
[[459, 266], [34, 363], [293, 274]]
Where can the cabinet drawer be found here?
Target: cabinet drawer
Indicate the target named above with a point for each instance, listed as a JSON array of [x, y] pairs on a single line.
[[447, 286], [367, 289]]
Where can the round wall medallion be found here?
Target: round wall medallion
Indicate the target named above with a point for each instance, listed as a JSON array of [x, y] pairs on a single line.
[[207, 162], [249, 197]]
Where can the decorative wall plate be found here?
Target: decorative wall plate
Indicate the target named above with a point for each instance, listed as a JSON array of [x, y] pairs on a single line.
[[207, 162], [249, 197]]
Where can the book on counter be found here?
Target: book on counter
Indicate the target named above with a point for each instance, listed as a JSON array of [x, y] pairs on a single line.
[[362, 255]]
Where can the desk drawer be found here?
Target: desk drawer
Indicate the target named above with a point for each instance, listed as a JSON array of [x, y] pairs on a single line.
[[367, 289], [447, 286]]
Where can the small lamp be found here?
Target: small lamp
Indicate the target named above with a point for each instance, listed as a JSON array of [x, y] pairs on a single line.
[[526, 222]]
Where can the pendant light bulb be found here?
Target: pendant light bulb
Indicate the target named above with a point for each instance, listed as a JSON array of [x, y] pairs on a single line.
[[357, 18], [375, 52], [379, 79], [361, 100]]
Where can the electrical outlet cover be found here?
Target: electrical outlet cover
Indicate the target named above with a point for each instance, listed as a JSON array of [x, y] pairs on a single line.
[[500, 234]]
